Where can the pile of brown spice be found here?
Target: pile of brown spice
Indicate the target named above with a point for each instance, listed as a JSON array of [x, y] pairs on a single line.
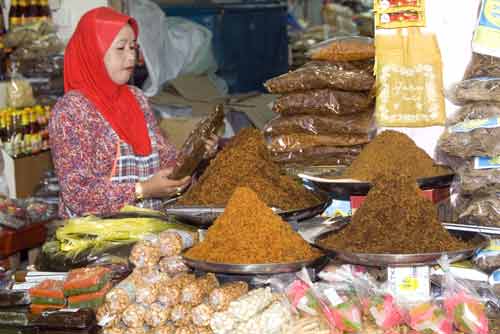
[[395, 218], [392, 152], [246, 162], [249, 232]]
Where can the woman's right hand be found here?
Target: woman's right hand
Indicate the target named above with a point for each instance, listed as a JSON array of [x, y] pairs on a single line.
[[160, 186]]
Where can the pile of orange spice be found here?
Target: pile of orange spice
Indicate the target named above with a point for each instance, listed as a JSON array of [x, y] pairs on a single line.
[[249, 232]]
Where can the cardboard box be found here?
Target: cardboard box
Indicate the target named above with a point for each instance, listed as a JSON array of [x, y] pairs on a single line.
[[24, 174], [435, 195]]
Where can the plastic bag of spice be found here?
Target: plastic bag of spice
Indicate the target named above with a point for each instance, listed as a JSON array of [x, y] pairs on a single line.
[[343, 49], [301, 142], [322, 75], [488, 259], [193, 149], [474, 111], [467, 143], [326, 102], [477, 182], [482, 66], [483, 89], [316, 125], [462, 304], [482, 211], [321, 155]]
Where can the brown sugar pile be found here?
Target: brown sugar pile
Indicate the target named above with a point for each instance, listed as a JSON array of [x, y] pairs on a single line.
[[392, 152], [246, 162], [249, 232], [395, 219]]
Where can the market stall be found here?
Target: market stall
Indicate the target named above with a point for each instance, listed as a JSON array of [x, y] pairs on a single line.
[[321, 222]]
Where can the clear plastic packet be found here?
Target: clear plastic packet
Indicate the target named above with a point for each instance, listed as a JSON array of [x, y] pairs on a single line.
[[317, 125], [156, 315], [343, 49], [19, 91], [325, 102], [474, 143], [250, 304], [482, 89], [301, 142], [195, 292], [173, 242], [220, 298], [133, 316], [270, 320], [494, 281], [173, 265], [202, 314], [181, 314], [462, 304], [474, 111], [428, 316], [483, 211], [119, 298], [322, 75], [166, 328], [477, 182], [482, 66], [488, 259], [144, 254], [319, 156], [146, 294]]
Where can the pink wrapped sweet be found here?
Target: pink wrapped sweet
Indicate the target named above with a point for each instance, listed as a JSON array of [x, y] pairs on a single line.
[[383, 310], [428, 316], [468, 314]]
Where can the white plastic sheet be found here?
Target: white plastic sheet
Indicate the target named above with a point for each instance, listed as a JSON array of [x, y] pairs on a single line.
[[171, 45]]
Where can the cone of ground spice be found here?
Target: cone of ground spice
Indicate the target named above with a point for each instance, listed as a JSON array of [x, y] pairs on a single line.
[[246, 162], [249, 232], [393, 152], [396, 219]]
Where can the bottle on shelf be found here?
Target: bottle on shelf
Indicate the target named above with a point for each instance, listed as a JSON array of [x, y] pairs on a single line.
[[23, 12], [14, 14]]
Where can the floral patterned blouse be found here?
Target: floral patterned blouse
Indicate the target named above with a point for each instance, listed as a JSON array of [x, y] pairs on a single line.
[[84, 151]]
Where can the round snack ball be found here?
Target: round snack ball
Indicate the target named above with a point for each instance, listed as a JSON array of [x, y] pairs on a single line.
[[106, 318], [137, 330], [118, 300], [204, 330], [146, 294], [133, 316], [170, 243], [114, 330], [167, 328], [144, 255], [157, 315], [188, 329]]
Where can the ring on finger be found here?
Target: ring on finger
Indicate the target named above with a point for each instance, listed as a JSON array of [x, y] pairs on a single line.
[[178, 190]]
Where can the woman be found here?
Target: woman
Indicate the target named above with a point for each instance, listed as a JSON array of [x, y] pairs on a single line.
[[106, 146]]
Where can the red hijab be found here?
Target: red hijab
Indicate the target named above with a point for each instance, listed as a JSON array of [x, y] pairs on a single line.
[[84, 70]]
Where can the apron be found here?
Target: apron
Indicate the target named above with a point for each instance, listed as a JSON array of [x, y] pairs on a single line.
[[130, 168]]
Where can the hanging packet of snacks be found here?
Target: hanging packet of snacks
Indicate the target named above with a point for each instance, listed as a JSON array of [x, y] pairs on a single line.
[[390, 14], [462, 303], [486, 38], [409, 79]]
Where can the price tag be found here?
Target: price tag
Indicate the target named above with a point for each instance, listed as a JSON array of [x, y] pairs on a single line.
[[409, 283]]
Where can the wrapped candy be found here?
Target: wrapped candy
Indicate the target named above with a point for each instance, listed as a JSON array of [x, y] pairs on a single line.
[[156, 315], [181, 314], [347, 317], [201, 315], [173, 265], [270, 321], [383, 310], [220, 297], [134, 315], [146, 295], [169, 295], [173, 242], [250, 304], [462, 304], [429, 317], [144, 254], [118, 300], [195, 292]]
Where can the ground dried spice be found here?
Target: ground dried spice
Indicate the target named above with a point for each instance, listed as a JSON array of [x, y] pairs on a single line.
[[249, 232], [245, 162], [392, 152], [395, 219]]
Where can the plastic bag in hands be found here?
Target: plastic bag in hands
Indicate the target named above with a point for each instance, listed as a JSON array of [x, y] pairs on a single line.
[[171, 46], [462, 303]]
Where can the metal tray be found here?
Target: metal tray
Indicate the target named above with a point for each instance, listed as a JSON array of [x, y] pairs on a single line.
[[405, 260], [254, 269], [343, 187], [204, 216]]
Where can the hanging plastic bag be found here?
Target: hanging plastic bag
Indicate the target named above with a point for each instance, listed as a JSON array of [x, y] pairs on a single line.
[[19, 90], [409, 80], [171, 45], [462, 304]]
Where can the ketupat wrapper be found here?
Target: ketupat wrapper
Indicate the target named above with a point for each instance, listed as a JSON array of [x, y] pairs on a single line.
[[429, 317], [468, 314]]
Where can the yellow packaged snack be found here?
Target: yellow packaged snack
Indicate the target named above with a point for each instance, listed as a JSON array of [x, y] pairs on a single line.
[[400, 19]]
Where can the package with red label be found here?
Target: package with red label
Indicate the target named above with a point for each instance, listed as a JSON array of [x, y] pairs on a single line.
[[403, 19], [86, 280], [398, 5]]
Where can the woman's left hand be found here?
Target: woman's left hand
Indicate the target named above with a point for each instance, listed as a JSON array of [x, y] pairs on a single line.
[[211, 146]]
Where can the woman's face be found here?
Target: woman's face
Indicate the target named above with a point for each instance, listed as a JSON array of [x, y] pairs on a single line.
[[120, 57]]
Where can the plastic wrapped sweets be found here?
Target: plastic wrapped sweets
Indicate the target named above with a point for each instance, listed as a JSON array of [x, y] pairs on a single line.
[[156, 315], [301, 142], [477, 182], [202, 314], [325, 102], [478, 142], [482, 211], [133, 316], [221, 297], [482, 66], [173, 265], [322, 75], [144, 255], [195, 292], [475, 111], [250, 304], [316, 125]]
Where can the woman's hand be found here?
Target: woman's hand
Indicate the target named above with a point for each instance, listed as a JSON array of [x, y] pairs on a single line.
[[211, 146], [160, 186]]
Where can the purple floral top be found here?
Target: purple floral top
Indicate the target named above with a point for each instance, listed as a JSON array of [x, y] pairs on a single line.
[[84, 151]]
